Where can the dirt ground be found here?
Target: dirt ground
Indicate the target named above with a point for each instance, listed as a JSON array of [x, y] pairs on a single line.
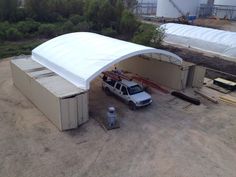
[[217, 24], [170, 138], [221, 24]]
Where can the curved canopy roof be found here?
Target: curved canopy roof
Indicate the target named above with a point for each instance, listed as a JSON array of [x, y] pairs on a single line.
[[80, 57], [206, 39]]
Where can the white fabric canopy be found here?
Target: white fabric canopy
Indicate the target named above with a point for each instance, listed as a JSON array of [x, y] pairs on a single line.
[[80, 57], [206, 39]]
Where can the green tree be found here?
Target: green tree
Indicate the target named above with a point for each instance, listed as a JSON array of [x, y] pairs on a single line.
[[4, 26], [109, 32], [119, 8], [48, 30], [58, 7], [28, 26], [128, 24], [149, 35], [158, 37], [130, 4], [82, 26], [8, 9], [21, 14], [39, 10], [13, 34], [75, 7], [102, 13], [91, 11], [75, 19], [68, 26]]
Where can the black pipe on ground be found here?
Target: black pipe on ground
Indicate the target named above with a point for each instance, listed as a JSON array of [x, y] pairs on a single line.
[[186, 98]]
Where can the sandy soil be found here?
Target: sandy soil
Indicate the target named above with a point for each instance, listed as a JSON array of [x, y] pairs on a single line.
[[217, 24], [168, 139]]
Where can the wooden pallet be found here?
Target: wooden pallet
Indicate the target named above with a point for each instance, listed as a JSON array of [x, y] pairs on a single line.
[[218, 88]]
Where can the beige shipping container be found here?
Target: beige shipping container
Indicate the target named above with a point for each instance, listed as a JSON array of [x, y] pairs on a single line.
[[64, 104], [198, 75], [159, 69]]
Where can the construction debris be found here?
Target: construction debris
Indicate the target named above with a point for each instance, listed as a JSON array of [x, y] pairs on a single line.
[[150, 83], [117, 75], [213, 22], [147, 82], [210, 98], [218, 88], [228, 99]]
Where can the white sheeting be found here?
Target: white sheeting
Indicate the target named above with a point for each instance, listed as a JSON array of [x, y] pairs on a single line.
[[206, 39], [80, 57]]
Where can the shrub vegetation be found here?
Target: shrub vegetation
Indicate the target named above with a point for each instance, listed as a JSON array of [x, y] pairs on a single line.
[[50, 18]]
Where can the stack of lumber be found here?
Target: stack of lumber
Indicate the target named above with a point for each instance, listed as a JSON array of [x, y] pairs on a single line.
[[228, 99], [207, 96]]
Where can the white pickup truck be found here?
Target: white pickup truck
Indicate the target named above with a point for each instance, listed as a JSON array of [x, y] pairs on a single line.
[[129, 91]]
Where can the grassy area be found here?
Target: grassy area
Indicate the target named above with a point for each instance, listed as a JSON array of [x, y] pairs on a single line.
[[9, 49]]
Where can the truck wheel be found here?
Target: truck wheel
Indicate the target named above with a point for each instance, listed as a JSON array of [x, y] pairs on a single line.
[[107, 91], [132, 106]]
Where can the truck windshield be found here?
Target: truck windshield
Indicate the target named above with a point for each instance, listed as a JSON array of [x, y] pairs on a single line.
[[135, 89]]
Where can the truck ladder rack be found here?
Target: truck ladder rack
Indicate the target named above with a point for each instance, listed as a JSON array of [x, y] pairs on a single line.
[[116, 76]]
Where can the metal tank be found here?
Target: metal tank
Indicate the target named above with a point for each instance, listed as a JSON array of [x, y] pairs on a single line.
[[177, 8]]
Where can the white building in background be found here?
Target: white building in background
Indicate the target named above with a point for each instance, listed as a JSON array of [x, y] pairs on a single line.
[[220, 8], [169, 8], [177, 8], [202, 8], [225, 9], [225, 2]]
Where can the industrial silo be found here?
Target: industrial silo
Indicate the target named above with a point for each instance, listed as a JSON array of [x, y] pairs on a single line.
[[176, 8]]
